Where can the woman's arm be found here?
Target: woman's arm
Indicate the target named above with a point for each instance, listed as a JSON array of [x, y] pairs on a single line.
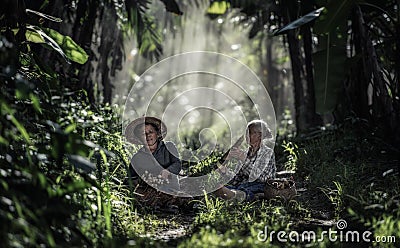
[[176, 165]]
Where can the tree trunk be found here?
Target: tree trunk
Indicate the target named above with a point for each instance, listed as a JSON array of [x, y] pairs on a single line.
[[299, 100], [289, 13], [84, 38], [302, 69], [313, 118], [359, 78]]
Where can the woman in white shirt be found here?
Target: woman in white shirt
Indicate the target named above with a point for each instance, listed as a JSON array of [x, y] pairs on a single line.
[[257, 165]]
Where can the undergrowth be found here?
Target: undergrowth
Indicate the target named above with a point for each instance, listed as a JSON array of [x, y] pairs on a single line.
[[343, 175]]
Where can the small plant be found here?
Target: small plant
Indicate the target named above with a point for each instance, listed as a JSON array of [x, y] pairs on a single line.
[[291, 149], [335, 196], [210, 208]]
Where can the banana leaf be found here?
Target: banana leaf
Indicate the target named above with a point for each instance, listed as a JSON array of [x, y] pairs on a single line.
[[301, 21], [62, 44]]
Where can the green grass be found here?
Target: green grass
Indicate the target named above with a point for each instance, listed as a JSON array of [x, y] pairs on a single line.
[[341, 169]]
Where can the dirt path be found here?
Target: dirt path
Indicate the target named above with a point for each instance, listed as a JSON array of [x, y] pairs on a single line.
[[175, 232], [180, 224]]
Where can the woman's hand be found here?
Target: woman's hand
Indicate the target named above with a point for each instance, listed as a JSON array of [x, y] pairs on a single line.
[[165, 174], [222, 169], [237, 154]]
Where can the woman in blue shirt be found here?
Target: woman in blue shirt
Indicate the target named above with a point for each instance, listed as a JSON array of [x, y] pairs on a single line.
[[157, 162]]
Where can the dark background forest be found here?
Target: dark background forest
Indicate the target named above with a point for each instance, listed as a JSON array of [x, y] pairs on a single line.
[[331, 69]]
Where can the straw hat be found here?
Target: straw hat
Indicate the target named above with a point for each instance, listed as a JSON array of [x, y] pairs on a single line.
[[130, 129]]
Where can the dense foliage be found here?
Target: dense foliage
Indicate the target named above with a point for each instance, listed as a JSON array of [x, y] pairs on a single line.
[[55, 159], [342, 55]]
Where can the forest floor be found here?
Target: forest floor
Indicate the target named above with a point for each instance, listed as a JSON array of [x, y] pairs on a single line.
[[321, 216], [335, 180], [183, 220]]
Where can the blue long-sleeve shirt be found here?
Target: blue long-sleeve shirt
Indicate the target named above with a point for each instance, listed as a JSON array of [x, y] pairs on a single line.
[[166, 155]]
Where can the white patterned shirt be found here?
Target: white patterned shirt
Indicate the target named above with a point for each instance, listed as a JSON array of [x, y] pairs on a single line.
[[258, 168]]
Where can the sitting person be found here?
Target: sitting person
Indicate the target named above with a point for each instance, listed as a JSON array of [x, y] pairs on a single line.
[[157, 161], [257, 165]]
